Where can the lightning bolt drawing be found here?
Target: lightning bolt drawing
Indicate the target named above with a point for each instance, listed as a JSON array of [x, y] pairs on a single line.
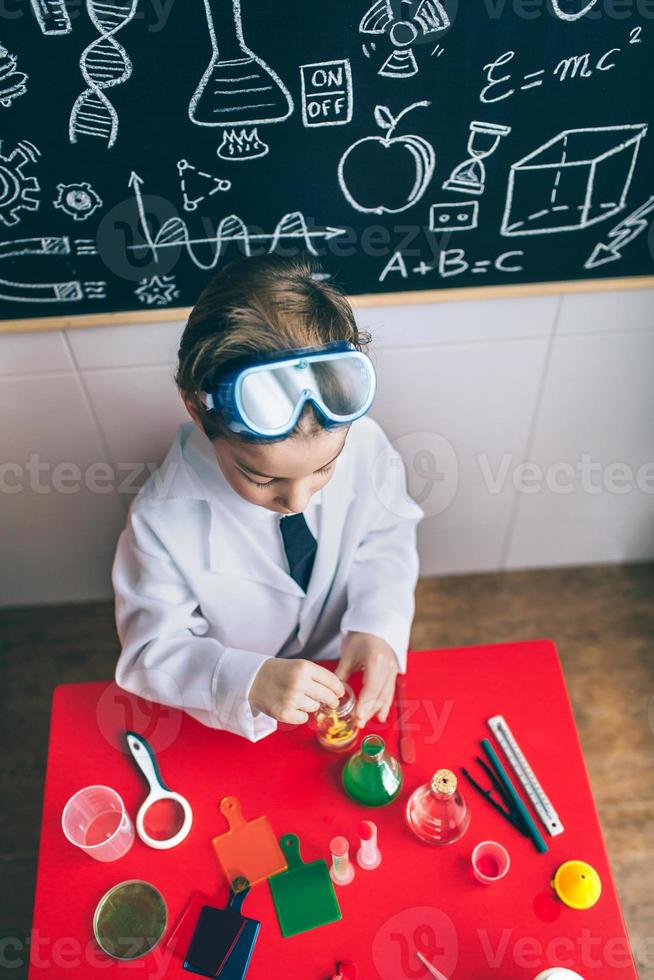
[[620, 235]]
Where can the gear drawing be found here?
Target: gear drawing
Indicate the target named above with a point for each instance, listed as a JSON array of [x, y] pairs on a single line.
[[18, 190], [79, 201]]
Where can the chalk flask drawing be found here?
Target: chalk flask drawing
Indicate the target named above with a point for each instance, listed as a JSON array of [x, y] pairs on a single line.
[[238, 88]]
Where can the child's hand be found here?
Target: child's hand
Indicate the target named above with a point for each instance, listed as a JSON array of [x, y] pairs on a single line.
[[363, 651], [291, 690]]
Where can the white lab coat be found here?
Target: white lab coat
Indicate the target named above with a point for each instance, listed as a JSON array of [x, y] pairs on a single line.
[[201, 603]]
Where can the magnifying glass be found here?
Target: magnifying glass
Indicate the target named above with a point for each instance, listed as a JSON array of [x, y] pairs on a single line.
[[164, 818]]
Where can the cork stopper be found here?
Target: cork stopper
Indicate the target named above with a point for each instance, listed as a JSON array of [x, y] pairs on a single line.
[[443, 782]]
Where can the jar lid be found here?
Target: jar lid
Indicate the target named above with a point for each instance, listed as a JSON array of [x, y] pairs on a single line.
[[444, 782]]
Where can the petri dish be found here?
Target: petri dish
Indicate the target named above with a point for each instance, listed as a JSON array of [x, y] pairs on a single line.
[[130, 920]]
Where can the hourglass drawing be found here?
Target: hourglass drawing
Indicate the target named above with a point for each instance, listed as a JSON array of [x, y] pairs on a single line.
[[469, 176], [237, 89]]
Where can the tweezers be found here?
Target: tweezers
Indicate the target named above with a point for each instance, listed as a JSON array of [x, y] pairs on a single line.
[[509, 813]]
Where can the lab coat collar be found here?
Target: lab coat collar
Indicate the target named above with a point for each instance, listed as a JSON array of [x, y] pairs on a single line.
[[196, 474]]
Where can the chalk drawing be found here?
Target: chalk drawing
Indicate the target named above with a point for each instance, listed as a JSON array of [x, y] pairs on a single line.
[[237, 88], [52, 16], [104, 63], [387, 154], [196, 185], [66, 291], [620, 236], [571, 68], [85, 246], [157, 290], [469, 177], [416, 21], [454, 216], [575, 15], [579, 177], [78, 201], [18, 190], [13, 83], [454, 262], [326, 93], [174, 233]]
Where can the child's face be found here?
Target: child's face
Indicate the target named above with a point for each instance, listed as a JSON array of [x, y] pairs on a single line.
[[282, 476]]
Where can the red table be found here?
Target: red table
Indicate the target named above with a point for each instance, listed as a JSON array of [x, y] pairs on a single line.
[[421, 897]]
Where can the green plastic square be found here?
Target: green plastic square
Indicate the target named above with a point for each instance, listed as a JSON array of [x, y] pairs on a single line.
[[304, 895]]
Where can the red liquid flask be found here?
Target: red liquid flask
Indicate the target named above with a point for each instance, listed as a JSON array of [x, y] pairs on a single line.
[[436, 812]]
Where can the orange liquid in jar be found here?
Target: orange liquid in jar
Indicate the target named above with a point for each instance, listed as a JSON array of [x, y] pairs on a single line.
[[336, 728]]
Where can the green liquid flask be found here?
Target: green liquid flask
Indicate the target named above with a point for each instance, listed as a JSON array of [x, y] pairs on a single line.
[[372, 776]]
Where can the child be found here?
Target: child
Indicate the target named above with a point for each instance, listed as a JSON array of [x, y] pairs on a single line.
[[278, 530]]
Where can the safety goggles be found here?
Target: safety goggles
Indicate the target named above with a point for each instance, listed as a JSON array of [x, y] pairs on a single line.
[[264, 395]]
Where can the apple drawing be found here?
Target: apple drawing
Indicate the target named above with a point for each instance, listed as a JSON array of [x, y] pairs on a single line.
[[386, 174]]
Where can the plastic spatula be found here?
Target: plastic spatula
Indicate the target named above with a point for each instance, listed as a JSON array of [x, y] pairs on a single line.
[[217, 934], [304, 895], [248, 849]]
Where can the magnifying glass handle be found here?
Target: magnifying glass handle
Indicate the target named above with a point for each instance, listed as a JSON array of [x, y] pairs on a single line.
[[145, 760]]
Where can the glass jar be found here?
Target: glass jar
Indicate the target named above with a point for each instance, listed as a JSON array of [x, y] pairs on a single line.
[[436, 812], [372, 776], [336, 728]]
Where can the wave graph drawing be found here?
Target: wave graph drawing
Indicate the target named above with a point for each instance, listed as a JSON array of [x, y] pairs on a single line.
[[233, 229], [174, 232]]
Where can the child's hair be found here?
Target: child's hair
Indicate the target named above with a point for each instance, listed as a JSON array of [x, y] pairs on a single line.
[[255, 305]]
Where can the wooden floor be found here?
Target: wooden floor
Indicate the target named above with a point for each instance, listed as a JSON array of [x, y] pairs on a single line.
[[602, 620]]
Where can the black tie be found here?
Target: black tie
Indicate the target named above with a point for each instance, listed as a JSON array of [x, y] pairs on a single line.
[[300, 547]]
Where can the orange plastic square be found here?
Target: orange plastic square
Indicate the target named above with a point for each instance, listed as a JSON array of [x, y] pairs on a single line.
[[249, 849]]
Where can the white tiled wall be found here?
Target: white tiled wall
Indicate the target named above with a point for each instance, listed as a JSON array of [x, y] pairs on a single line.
[[469, 391]]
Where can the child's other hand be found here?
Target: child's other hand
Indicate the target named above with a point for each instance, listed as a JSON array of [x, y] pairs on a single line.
[[363, 651], [291, 690]]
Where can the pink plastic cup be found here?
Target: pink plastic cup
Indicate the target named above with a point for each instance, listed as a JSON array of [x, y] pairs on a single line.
[[490, 862], [95, 820]]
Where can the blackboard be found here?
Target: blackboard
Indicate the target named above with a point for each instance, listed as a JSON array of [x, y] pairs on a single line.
[[414, 145]]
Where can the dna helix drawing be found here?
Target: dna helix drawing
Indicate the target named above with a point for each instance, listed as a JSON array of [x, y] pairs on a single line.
[[104, 63]]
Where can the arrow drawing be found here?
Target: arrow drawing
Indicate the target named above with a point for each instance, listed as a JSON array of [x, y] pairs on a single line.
[[620, 235], [135, 183]]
